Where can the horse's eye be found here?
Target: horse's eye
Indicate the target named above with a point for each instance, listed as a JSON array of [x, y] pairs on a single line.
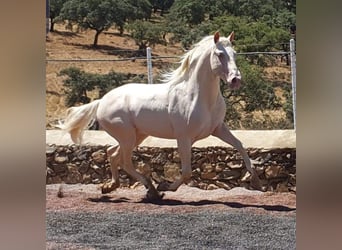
[[219, 53]]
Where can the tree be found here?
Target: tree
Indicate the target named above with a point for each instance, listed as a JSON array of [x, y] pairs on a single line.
[[145, 34], [76, 85], [283, 19], [55, 9], [183, 21], [255, 9], [78, 82], [291, 5], [98, 15], [162, 5], [192, 12], [141, 9], [131, 10], [109, 81]]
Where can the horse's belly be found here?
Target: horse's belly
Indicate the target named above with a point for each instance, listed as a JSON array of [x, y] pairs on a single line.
[[160, 133], [203, 132], [156, 124]]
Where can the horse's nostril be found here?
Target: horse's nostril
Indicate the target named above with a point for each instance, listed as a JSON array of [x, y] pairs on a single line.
[[234, 80]]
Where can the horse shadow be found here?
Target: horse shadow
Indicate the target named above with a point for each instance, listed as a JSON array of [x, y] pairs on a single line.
[[173, 202]]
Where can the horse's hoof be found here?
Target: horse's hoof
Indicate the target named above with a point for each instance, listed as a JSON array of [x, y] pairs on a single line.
[[154, 195], [108, 187], [164, 186], [256, 184]]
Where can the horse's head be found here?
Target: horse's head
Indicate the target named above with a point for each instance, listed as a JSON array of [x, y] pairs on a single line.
[[222, 61]]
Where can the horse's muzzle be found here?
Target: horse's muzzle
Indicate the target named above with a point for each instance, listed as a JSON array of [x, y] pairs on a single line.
[[235, 83]]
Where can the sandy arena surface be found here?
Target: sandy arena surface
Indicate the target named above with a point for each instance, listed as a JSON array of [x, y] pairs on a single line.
[[80, 197]]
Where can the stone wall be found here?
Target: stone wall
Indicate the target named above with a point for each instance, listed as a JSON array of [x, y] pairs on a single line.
[[212, 167]]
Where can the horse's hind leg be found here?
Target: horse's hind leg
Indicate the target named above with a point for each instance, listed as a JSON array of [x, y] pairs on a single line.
[[113, 154], [224, 134], [126, 150]]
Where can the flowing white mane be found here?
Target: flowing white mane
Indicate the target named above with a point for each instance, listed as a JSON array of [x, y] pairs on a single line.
[[178, 75]]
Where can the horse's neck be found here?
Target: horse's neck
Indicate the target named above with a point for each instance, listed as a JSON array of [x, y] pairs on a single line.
[[204, 84]]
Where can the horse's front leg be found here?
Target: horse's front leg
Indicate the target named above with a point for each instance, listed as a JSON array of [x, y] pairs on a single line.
[[184, 149], [224, 134]]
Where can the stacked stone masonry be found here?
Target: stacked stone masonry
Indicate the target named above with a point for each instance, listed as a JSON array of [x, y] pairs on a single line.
[[212, 167]]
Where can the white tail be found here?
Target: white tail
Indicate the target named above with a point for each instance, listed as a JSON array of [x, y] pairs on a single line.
[[78, 119]]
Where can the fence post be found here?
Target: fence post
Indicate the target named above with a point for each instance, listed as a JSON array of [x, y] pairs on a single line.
[[293, 79], [149, 65]]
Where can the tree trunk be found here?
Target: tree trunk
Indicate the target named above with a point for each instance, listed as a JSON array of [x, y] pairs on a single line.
[[285, 48], [98, 32], [121, 30], [52, 26], [142, 49]]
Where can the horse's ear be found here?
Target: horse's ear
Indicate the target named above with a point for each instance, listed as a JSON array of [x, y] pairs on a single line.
[[216, 37], [231, 36]]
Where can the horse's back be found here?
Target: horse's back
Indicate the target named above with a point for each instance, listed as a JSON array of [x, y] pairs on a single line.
[[130, 95]]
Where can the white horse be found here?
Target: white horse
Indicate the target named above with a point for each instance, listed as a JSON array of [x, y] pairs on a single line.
[[187, 107]]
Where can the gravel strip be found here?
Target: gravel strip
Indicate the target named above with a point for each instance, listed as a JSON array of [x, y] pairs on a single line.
[[194, 230]]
